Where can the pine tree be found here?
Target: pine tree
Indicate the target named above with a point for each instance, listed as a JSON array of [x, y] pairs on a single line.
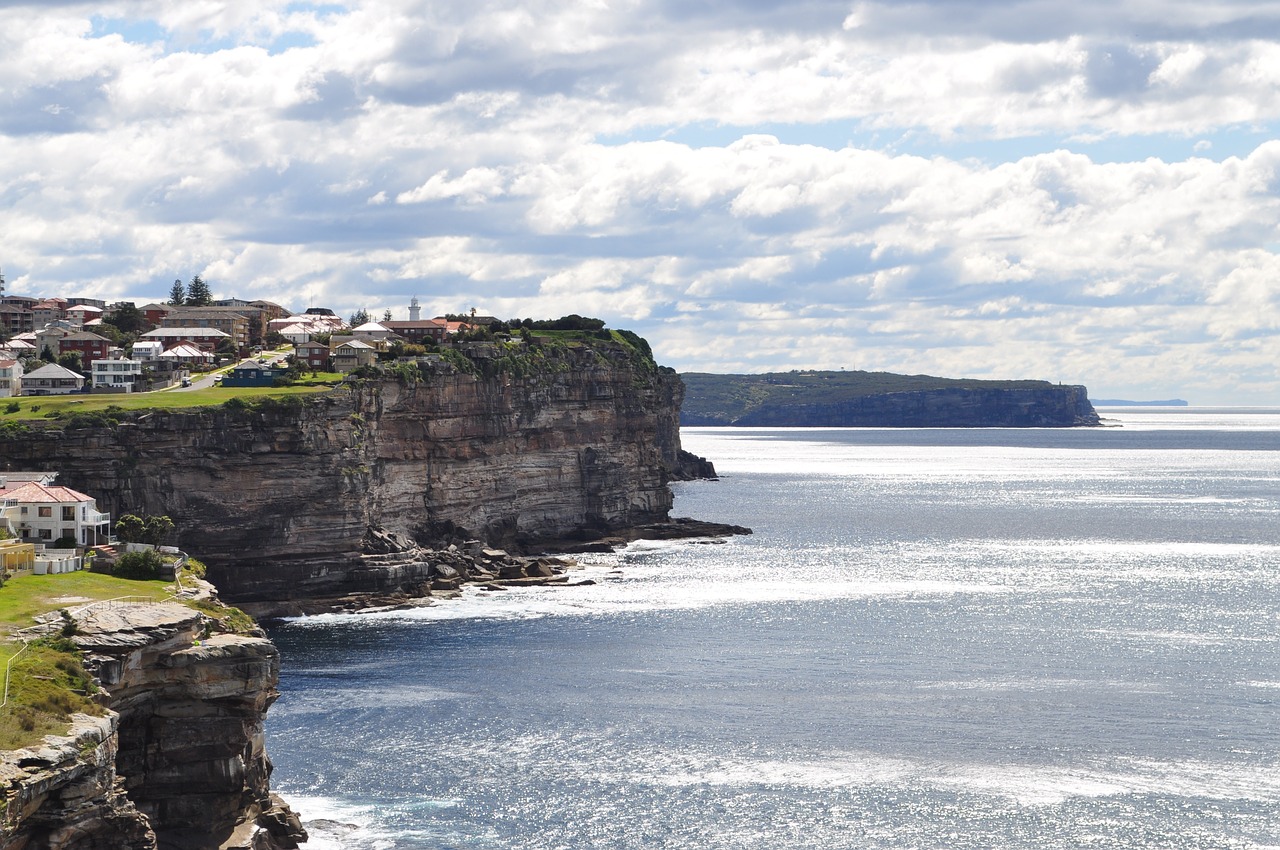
[[386, 315], [178, 294], [198, 294], [359, 318]]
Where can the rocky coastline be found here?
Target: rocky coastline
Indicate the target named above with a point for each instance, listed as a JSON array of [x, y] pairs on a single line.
[[178, 759]]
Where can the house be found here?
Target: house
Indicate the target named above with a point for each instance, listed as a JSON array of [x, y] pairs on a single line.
[[185, 353], [16, 318], [50, 337], [146, 349], [81, 314], [372, 330], [419, 331], [351, 355], [205, 339], [10, 378], [312, 355], [48, 310], [229, 320], [155, 313], [18, 348], [43, 513], [52, 379], [88, 345], [251, 373], [118, 375], [296, 333]]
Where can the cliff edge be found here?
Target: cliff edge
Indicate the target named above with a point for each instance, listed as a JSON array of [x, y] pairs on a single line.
[[178, 762], [511, 444]]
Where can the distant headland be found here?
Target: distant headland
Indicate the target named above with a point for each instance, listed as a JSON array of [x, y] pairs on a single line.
[[880, 399]]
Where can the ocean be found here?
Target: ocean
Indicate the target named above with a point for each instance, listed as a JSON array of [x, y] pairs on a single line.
[[954, 638]]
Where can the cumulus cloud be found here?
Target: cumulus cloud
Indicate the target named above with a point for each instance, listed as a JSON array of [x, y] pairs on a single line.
[[538, 158]]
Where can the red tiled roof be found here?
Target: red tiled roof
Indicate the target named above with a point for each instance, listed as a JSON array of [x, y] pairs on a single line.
[[32, 491]]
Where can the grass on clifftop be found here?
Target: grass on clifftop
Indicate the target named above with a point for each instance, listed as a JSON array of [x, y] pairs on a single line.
[[47, 683], [37, 408]]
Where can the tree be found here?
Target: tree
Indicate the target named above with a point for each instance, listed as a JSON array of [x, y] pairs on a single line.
[[156, 529], [177, 294], [198, 294], [129, 319], [47, 355], [386, 315], [359, 317], [70, 360], [130, 528]]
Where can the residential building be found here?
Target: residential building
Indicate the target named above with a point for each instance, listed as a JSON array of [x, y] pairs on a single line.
[[50, 337], [155, 313], [251, 373], [118, 375], [16, 318], [48, 310], [52, 379], [10, 378], [371, 330], [229, 320], [146, 349], [419, 331], [186, 354], [312, 355], [44, 513], [89, 345], [351, 355], [203, 338], [81, 314]]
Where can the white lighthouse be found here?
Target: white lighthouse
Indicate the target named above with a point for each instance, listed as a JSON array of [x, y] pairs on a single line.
[[414, 310]]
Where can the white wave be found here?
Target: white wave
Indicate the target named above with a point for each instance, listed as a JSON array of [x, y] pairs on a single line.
[[339, 825]]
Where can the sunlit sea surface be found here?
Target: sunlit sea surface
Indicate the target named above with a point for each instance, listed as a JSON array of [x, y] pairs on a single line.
[[934, 639]]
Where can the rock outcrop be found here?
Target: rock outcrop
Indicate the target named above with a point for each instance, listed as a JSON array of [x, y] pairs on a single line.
[[280, 498], [177, 763]]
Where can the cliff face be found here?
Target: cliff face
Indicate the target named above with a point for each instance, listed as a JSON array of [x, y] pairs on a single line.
[[178, 763], [1040, 407], [280, 500]]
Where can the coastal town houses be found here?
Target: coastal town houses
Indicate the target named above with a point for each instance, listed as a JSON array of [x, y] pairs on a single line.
[[352, 354], [52, 379], [42, 512], [251, 373]]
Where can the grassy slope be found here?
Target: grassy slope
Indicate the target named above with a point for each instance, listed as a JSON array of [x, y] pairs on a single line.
[[731, 396], [46, 407]]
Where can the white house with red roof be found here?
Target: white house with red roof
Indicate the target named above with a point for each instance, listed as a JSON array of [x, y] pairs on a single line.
[[10, 378], [40, 512]]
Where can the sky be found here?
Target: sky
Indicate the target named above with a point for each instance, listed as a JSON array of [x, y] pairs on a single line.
[[1083, 192]]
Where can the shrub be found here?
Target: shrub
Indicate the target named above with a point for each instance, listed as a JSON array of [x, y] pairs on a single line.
[[138, 566], [64, 543]]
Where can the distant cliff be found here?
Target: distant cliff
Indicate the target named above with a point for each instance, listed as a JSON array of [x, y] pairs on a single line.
[[507, 445], [877, 399]]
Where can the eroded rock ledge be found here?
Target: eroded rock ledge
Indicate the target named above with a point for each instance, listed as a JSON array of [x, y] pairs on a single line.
[[177, 763]]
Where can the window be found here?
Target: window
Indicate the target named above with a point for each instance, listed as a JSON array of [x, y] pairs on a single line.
[[44, 512], [68, 513], [45, 533]]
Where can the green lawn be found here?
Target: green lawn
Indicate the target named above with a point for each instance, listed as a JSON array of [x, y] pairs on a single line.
[[39, 407], [26, 595]]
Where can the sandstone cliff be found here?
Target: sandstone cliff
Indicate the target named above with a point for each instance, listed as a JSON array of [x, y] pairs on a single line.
[[178, 763], [281, 499]]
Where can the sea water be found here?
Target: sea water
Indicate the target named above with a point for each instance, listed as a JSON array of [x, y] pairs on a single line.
[[934, 639]]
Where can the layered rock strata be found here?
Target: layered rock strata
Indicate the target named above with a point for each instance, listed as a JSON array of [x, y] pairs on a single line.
[[178, 763], [280, 499]]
